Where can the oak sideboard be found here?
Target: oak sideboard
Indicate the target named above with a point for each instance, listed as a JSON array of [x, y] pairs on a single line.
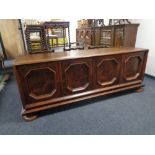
[[50, 80]]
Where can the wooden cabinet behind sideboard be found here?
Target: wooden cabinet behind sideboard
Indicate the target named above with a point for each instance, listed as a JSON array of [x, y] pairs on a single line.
[[108, 36]]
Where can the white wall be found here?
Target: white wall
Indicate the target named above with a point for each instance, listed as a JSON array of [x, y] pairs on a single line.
[[146, 39]]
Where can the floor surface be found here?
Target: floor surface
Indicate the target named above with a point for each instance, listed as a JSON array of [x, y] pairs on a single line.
[[119, 114]]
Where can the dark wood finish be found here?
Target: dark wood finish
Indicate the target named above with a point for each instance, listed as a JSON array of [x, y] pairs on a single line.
[[125, 35], [108, 36], [35, 46], [84, 36], [2, 53], [1, 62], [43, 88], [30, 117], [106, 76], [96, 36], [57, 25], [133, 66], [83, 77], [139, 90], [2, 48], [47, 33], [54, 79]]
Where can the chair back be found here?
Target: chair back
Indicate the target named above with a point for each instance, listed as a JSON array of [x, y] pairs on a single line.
[[2, 49]]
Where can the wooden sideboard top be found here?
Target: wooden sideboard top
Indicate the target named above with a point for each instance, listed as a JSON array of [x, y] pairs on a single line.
[[46, 57]]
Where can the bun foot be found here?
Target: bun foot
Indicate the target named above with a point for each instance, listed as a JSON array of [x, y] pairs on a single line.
[[29, 117], [139, 90]]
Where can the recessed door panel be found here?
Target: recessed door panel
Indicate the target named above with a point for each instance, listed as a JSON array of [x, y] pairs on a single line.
[[133, 66], [107, 71], [77, 75], [40, 81]]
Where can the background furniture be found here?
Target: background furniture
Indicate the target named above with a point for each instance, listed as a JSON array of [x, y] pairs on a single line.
[[35, 38], [6, 65], [62, 26], [12, 37], [123, 35], [51, 80], [48, 36]]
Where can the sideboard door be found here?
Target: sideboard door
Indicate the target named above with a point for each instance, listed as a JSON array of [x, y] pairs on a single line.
[[107, 70], [133, 66], [77, 76], [39, 81]]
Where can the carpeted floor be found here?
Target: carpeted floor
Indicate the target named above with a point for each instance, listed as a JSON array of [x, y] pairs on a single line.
[[122, 113]]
